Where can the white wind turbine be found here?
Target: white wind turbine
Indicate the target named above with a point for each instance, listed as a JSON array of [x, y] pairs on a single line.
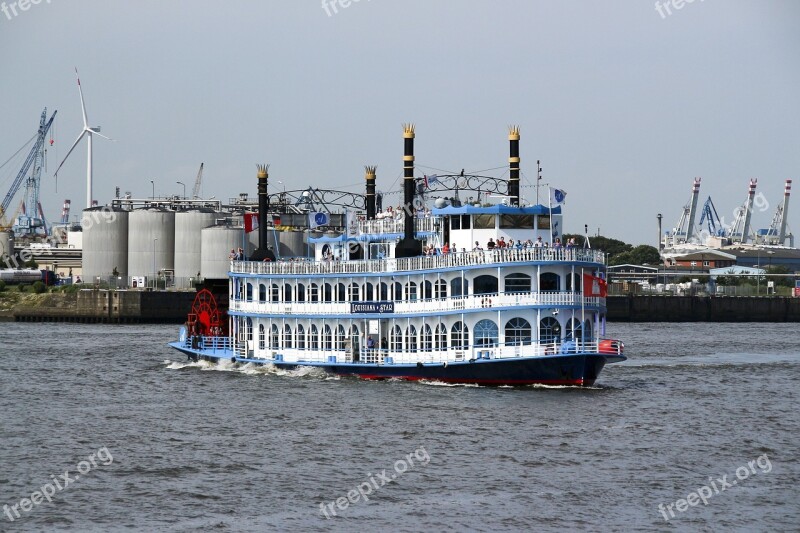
[[91, 131]]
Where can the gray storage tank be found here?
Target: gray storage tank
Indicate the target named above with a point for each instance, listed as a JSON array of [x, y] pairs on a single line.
[[292, 244], [215, 248], [151, 241], [6, 245], [188, 237], [105, 242]]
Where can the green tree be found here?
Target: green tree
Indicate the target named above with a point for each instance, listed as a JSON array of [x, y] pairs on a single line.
[[644, 254], [39, 287]]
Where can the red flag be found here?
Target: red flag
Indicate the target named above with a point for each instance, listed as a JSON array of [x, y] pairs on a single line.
[[250, 222], [276, 220], [594, 286]]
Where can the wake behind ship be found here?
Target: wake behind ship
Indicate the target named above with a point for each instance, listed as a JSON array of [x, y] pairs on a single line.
[[459, 293]]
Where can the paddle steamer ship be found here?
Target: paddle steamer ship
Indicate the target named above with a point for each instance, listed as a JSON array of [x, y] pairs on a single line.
[[432, 294]]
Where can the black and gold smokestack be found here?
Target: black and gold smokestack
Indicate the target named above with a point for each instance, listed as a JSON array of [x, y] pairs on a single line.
[[513, 164], [408, 246], [370, 177], [263, 207]]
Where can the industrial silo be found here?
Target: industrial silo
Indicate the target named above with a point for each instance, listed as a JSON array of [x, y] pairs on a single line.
[[6, 245], [292, 244], [151, 241], [188, 228], [215, 248], [105, 242]]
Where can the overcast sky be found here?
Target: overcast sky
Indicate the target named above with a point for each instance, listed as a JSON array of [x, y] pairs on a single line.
[[623, 105]]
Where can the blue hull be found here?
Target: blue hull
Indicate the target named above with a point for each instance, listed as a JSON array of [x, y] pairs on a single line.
[[579, 369]]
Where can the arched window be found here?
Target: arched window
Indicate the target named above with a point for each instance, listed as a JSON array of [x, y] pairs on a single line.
[[573, 282], [440, 339], [327, 338], [301, 337], [384, 292], [287, 292], [249, 329], [369, 293], [275, 293], [485, 284], [341, 293], [518, 282], [411, 338], [354, 292], [396, 339], [249, 292], [426, 339], [518, 332], [340, 338], [587, 330], [427, 290], [459, 287], [355, 337], [440, 289], [411, 291], [314, 338], [262, 337], [314, 293], [301, 292], [549, 281], [573, 330], [287, 336], [262, 293], [549, 330], [274, 337], [486, 334], [398, 291], [328, 293], [459, 336]]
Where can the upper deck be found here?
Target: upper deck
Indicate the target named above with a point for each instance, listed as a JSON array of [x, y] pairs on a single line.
[[496, 258]]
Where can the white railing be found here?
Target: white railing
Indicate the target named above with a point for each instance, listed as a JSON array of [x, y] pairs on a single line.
[[473, 353], [382, 226], [409, 264], [458, 303]]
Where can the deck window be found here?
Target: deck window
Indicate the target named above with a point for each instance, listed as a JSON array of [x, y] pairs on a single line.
[[459, 287], [314, 338], [518, 332], [249, 329], [314, 293], [440, 289], [427, 290], [341, 293], [274, 338], [542, 221], [518, 282], [249, 292], [426, 338], [328, 293], [327, 338], [262, 337], [411, 338], [369, 294], [459, 336], [411, 291], [301, 337], [483, 222], [486, 334], [301, 292], [516, 221], [275, 293], [354, 292], [398, 291], [396, 339], [287, 336], [287, 292], [340, 338], [486, 284], [262, 293], [549, 330], [440, 339], [549, 281], [384, 292], [587, 330], [573, 282], [574, 330]]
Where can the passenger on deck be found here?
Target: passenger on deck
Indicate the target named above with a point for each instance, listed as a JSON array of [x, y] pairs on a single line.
[[538, 243], [445, 249], [490, 245], [557, 244], [477, 247]]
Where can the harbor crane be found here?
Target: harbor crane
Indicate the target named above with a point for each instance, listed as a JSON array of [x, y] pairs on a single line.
[[197, 182], [711, 218], [28, 223]]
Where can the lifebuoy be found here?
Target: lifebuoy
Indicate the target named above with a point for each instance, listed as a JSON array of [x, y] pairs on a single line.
[[267, 260]]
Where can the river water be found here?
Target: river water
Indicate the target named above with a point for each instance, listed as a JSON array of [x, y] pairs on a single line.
[[118, 432]]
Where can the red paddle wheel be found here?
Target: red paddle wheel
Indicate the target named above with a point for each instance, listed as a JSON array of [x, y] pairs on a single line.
[[206, 317]]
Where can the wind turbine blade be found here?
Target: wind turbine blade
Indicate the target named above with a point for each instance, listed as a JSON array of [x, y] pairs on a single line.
[[83, 106], [55, 174], [101, 135]]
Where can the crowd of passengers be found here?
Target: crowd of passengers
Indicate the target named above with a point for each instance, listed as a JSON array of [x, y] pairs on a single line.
[[500, 244]]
